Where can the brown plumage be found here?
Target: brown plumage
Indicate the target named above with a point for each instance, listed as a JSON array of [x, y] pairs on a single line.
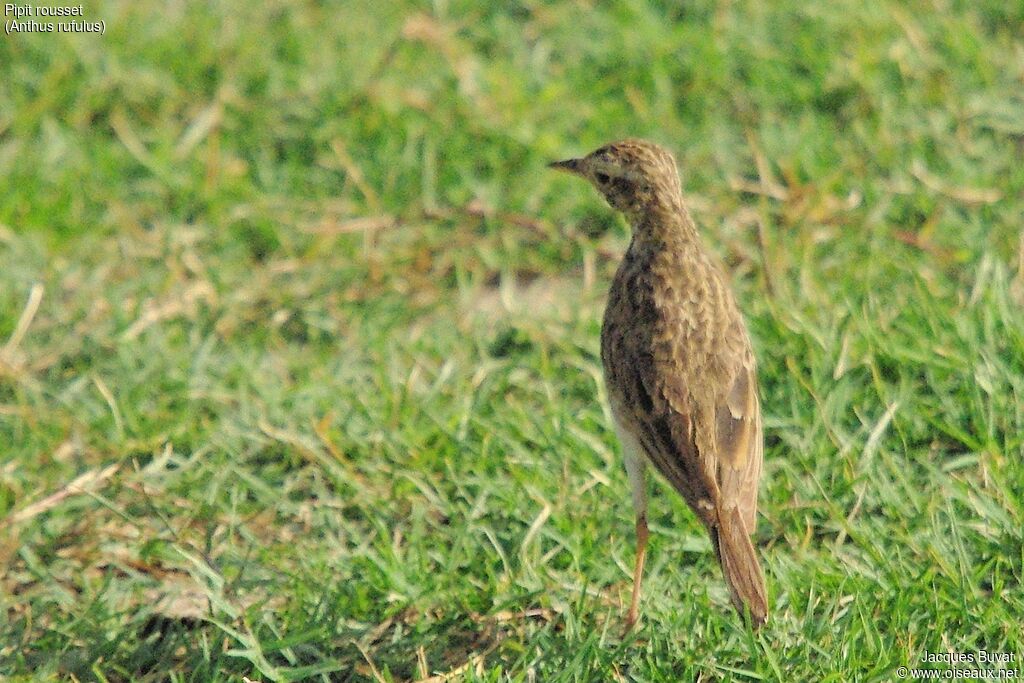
[[678, 364]]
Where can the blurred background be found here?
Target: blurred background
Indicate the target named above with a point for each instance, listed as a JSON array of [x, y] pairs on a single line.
[[299, 372]]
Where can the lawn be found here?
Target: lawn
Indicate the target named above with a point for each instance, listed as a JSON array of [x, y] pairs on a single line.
[[299, 357]]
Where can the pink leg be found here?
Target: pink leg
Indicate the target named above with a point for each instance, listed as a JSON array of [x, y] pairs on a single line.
[[638, 570]]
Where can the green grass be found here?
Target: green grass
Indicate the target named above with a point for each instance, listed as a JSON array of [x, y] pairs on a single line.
[[313, 388]]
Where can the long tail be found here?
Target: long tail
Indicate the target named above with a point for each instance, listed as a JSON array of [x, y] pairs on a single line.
[[740, 566]]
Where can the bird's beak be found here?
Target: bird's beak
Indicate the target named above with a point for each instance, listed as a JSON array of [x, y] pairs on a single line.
[[574, 166]]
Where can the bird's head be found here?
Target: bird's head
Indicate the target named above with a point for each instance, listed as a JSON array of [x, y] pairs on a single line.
[[633, 175]]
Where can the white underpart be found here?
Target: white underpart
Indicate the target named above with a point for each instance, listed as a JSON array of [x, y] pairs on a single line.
[[636, 468]]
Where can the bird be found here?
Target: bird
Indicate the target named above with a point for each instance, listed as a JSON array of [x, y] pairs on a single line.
[[679, 368]]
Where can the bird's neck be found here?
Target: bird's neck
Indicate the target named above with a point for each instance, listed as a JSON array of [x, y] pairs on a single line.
[[663, 225]]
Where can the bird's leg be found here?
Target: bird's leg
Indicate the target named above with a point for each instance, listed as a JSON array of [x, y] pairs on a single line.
[[636, 469], [638, 570]]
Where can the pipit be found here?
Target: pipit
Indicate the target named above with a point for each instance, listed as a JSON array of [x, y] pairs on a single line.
[[679, 368]]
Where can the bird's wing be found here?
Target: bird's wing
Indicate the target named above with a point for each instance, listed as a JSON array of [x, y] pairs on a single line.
[[636, 394], [669, 437], [714, 461], [738, 441], [715, 453]]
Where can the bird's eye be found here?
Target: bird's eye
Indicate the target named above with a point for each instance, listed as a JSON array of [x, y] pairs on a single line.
[[602, 178]]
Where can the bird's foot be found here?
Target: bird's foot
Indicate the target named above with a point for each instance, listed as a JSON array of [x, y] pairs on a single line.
[[632, 619]]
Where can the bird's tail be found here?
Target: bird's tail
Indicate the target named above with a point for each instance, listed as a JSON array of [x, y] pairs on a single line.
[[740, 566]]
